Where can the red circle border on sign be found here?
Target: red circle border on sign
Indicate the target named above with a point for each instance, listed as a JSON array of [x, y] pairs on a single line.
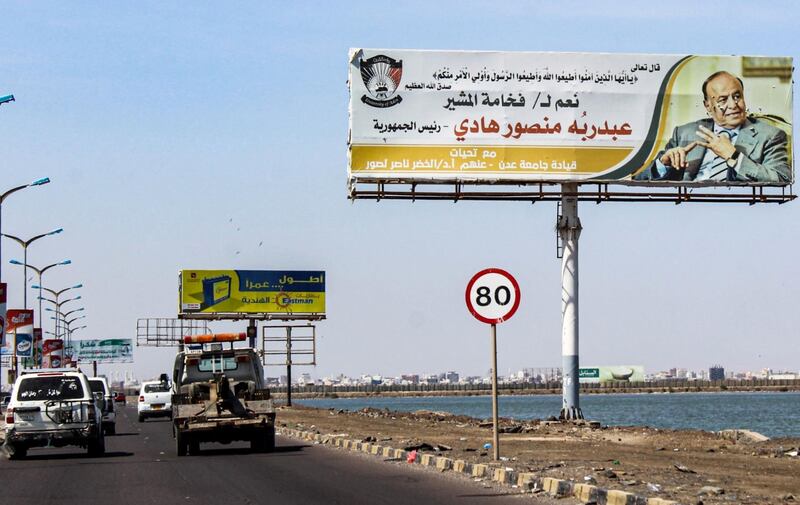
[[516, 292]]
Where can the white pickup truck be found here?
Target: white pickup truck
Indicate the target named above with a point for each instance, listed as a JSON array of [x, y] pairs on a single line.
[[155, 400]]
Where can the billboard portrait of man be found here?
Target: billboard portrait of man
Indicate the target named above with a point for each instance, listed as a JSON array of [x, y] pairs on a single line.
[[727, 147]]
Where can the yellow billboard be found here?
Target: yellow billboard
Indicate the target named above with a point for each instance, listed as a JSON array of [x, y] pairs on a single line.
[[252, 291]]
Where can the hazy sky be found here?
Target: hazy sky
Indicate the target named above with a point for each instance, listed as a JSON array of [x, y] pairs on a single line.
[[183, 135]]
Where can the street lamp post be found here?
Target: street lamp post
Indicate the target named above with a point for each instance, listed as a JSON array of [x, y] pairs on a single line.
[[70, 331], [3, 196], [56, 294], [39, 272], [25, 244]]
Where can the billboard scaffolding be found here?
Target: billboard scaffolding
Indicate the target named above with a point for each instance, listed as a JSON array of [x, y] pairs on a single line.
[[167, 332], [289, 345]]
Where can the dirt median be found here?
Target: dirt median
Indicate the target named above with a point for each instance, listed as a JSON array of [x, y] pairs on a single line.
[[687, 466]]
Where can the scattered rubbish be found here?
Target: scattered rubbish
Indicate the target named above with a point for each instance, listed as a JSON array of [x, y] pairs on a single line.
[[711, 490], [656, 488], [745, 436], [462, 439], [629, 482], [683, 469], [423, 446], [661, 449], [611, 474], [411, 457], [788, 497], [369, 439], [590, 480], [503, 458], [615, 462], [487, 445]]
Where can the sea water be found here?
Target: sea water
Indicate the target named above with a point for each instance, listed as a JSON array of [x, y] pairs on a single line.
[[772, 414]]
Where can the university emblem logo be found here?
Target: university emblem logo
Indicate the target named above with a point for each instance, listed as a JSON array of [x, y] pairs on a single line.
[[381, 76]]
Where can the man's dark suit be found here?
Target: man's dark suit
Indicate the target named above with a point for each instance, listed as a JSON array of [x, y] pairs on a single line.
[[763, 149]]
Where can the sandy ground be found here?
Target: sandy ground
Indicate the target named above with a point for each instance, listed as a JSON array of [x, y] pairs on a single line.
[[670, 464]]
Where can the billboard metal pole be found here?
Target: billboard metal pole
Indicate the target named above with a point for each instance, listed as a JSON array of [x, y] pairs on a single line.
[[569, 228], [288, 366]]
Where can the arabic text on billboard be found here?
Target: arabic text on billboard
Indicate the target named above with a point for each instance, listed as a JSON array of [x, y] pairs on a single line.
[[110, 350], [647, 119], [252, 291]]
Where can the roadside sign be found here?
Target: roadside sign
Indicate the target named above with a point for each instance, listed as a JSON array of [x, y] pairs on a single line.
[[492, 295]]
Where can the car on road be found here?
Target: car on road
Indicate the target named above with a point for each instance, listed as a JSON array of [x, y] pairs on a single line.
[[100, 385], [119, 397], [53, 408], [155, 400]]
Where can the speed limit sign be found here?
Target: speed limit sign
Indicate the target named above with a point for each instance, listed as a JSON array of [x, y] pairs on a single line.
[[492, 295]]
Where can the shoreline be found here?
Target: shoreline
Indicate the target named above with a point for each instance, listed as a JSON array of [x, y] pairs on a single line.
[[535, 392], [635, 464]]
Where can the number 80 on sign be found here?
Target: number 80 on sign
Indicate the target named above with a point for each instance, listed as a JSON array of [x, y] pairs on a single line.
[[492, 295]]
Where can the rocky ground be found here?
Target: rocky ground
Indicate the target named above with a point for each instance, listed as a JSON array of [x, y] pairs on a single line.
[[691, 467]]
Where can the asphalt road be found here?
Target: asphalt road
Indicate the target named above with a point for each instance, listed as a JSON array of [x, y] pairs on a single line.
[[140, 467]]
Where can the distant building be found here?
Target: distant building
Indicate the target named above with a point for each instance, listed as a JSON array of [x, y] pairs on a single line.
[[716, 373], [410, 378], [451, 377]]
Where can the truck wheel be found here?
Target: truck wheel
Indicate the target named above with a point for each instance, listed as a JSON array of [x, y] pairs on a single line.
[[180, 443], [263, 440], [269, 441], [14, 452], [194, 447], [141, 418], [97, 447]]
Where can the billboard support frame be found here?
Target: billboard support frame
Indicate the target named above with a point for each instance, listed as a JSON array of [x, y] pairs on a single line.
[[548, 192], [262, 316]]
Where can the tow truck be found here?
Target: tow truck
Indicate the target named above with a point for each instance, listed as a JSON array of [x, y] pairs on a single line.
[[218, 395]]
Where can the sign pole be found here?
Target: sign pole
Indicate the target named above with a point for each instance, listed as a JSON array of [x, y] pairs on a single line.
[[495, 432], [493, 296], [569, 229], [94, 368]]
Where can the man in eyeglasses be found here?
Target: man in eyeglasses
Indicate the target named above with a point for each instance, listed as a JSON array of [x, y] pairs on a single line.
[[728, 146]]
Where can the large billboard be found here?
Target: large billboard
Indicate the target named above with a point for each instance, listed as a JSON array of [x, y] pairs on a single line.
[[109, 350], [646, 119], [252, 291], [619, 373]]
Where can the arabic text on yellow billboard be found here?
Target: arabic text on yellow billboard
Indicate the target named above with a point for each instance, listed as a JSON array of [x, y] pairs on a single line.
[[252, 291]]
